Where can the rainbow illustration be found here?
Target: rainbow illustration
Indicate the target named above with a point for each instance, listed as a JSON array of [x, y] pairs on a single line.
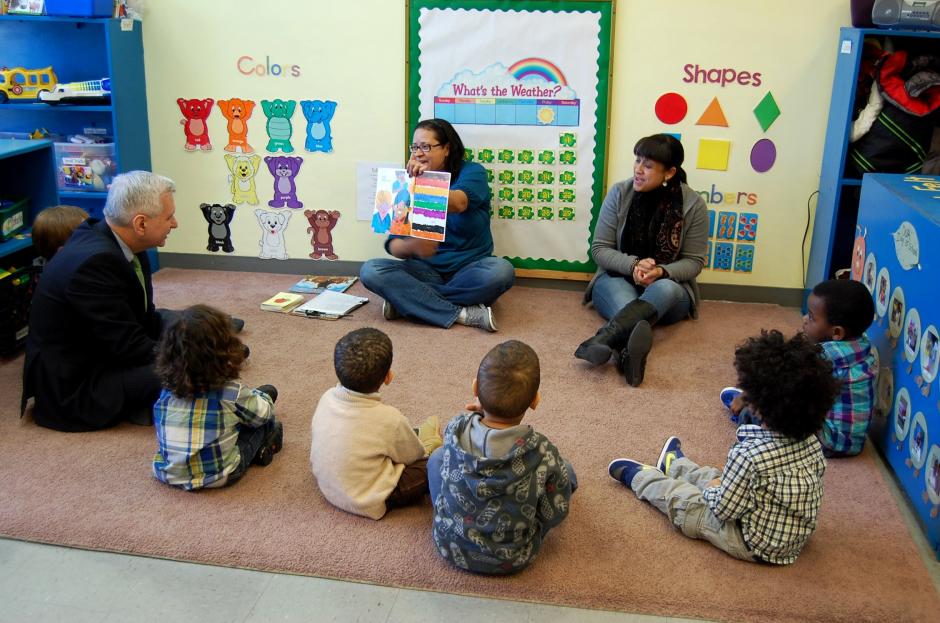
[[547, 70]]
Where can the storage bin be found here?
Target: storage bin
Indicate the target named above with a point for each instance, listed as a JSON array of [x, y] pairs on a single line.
[[12, 217], [85, 167], [16, 295], [80, 8]]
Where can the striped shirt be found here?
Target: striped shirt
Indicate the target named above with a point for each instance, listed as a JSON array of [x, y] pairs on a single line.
[[197, 437], [846, 425], [772, 485]]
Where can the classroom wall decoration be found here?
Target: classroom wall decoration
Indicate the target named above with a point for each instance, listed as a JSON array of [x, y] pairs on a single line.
[[195, 112], [321, 230], [237, 112], [242, 170], [272, 223], [285, 170], [278, 126], [318, 114], [527, 90], [219, 217]]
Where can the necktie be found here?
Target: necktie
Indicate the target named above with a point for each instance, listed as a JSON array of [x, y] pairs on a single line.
[[140, 277]]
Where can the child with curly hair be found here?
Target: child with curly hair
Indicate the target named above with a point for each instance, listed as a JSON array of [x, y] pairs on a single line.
[[210, 427], [838, 313], [763, 506]]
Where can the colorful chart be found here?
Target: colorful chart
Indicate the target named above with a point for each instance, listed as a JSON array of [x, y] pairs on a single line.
[[508, 111]]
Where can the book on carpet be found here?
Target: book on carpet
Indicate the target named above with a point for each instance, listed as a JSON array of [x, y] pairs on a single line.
[[315, 284], [330, 305], [282, 302]]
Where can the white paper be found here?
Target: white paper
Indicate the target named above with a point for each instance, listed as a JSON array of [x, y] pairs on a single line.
[[366, 176], [330, 303]]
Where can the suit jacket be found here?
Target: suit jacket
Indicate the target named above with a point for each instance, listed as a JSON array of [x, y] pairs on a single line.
[[87, 325]]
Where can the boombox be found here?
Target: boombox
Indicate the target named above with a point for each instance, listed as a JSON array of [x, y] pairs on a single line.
[[910, 14]]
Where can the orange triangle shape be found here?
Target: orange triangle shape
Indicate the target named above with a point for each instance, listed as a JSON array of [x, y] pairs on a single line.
[[713, 115]]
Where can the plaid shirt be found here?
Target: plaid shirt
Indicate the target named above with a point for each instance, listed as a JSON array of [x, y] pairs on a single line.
[[773, 486], [197, 437], [846, 425]]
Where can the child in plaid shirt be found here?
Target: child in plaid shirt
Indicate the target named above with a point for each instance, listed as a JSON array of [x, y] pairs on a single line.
[[838, 313], [209, 425], [763, 506]]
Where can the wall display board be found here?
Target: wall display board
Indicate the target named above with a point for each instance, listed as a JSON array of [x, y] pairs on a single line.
[[526, 85]]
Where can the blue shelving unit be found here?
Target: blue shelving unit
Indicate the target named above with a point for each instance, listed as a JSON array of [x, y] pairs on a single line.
[[81, 49], [27, 169], [837, 207]]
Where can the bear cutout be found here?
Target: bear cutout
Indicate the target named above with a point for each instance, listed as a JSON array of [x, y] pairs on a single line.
[[219, 217], [272, 225], [242, 178], [279, 127], [321, 225], [237, 111], [195, 112], [318, 114], [284, 169]]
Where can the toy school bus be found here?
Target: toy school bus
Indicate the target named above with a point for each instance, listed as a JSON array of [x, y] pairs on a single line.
[[20, 83]]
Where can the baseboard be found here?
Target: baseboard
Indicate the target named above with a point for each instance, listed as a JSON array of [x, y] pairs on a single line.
[[788, 297]]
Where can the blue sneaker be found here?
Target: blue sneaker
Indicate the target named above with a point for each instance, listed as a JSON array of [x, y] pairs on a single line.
[[624, 470], [727, 396], [672, 450]]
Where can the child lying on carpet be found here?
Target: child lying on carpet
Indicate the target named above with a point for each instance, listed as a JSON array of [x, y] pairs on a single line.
[[365, 455], [498, 486], [762, 507], [209, 425], [839, 312]]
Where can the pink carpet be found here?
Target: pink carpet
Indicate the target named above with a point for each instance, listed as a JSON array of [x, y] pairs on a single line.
[[614, 552]]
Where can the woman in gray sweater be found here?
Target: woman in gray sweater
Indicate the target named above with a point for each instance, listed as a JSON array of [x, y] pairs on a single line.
[[650, 242]]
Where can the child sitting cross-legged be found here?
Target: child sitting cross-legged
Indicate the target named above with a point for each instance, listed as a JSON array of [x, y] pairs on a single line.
[[497, 485], [763, 505], [210, 427], [365, 455], [838, 313]]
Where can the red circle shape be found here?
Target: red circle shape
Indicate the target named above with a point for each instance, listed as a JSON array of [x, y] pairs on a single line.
[[671, 108]]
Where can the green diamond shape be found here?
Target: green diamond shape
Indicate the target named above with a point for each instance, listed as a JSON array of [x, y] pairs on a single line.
[[767, 111]]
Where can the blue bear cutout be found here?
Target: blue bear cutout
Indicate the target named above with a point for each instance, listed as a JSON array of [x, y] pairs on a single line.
[[318, 114]]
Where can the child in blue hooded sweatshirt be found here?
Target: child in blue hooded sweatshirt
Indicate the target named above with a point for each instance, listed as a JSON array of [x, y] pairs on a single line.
[[497, 485]]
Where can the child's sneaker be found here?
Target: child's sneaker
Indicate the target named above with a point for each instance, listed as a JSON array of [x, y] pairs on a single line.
[[672, 450], [624, 470], [727, 396]]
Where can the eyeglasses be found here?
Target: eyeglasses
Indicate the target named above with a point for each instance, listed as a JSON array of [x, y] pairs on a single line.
[[425, 147]]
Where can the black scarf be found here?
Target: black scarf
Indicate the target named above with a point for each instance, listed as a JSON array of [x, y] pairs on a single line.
[[654, 224]]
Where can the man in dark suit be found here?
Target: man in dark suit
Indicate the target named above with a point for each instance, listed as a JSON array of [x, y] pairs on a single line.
[[93, 326]]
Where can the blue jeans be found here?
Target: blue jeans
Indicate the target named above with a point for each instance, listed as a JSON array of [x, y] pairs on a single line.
[[611, 294], [418, 292], [434, 474]]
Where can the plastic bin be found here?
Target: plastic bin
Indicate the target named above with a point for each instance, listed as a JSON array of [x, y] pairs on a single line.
[[85, 167], [16, 294], [12, 217], [80, 8]]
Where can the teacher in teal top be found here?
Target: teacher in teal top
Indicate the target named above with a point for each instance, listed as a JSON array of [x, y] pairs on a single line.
[[456, 280]]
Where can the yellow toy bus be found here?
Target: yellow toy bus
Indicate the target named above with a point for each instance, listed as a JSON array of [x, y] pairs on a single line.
[[21, 83]]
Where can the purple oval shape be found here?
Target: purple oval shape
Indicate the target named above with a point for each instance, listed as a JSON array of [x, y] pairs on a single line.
[[763, 155]]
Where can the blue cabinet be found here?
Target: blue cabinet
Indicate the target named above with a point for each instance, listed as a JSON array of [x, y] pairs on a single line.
[[81, 49], [896, 254], [837, 206]]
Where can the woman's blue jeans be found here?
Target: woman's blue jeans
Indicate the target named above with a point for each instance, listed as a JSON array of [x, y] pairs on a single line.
[[611, 294], [419, 292]]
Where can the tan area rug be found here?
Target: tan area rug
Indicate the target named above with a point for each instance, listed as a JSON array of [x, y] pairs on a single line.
[[95, 490]]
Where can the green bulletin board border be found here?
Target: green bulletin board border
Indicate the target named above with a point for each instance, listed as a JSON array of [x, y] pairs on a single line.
[[606, 8]]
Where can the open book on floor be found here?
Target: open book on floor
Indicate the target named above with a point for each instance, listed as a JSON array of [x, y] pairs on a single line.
[[314, 284], [330, 305], [282, 302]]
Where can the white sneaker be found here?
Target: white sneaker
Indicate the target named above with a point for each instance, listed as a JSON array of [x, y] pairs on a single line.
[[480, 316]]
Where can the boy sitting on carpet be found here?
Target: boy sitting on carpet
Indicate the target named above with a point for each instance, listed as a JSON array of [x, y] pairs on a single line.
[[53, 227], [209, 425], [762, 507], [498, 486], [365, 455], [838, 313]]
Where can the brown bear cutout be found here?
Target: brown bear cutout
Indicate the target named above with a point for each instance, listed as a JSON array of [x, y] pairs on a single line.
[[321, 225]]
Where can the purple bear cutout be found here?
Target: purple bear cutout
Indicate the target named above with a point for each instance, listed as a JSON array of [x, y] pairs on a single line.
[[284, 169]]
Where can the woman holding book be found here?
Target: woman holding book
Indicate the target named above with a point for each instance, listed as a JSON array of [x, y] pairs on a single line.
[[456, 280], [649, 245]]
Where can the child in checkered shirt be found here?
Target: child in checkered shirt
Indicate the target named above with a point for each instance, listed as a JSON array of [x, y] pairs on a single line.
[[210, 426], [838, 313], [762, 507]]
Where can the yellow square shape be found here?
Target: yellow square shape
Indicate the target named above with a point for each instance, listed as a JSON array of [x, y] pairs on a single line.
[[713, 154]]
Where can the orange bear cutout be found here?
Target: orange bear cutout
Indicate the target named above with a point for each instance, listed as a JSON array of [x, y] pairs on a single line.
[[713, 115], [237, 111]]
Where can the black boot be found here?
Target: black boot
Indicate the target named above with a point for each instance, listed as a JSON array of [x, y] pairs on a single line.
[[613, 335], [631, 361]]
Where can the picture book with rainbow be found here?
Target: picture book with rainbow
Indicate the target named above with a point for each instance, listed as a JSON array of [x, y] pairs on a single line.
[[411, 206]]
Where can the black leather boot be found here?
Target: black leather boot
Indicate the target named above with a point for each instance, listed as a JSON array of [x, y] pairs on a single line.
[[631, 361], [613, 335]]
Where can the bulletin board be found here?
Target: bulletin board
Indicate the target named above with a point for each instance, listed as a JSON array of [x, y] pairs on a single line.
[[526, 85]]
